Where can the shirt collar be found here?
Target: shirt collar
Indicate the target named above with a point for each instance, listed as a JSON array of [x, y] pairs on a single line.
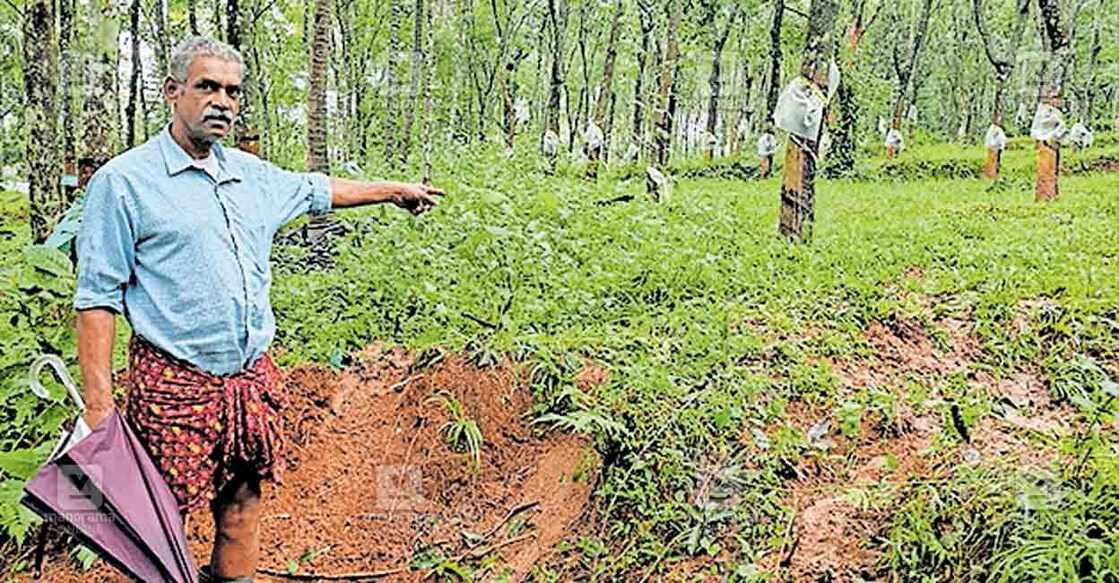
[[177, 160]]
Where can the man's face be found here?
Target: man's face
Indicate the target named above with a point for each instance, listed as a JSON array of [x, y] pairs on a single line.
[[207, 101]]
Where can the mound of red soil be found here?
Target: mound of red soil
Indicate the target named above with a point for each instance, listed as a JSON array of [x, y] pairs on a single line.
[[373, 482]]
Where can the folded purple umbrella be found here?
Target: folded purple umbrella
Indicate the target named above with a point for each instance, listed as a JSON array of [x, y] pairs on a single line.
[[105, 490]]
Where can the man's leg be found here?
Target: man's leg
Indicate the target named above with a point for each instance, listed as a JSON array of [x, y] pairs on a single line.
[[236, 537]]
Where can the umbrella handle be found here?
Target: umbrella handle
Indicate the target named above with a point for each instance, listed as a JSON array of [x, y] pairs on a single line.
[[60, 372]]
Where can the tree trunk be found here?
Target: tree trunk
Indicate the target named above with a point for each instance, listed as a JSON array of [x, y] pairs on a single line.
[[66, 9], [550, 143], [429, 79], [1089, 108], [605, 89], [390, 82], [640, 93], [773, 87], [99, 109], [317, 153], [904, 69], [714, 82], [40, 78], [667, 80], [1004, 67], [1059, 44], [798, 196], [413, 89], [192, 16], [666, 102], [134, 78]]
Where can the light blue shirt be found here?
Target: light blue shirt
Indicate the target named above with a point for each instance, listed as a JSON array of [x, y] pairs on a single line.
[[184, 256]]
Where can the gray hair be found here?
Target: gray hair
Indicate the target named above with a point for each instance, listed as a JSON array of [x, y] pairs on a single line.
[[200, 46]]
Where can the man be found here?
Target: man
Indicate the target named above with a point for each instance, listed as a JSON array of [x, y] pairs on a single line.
[[175, 235]]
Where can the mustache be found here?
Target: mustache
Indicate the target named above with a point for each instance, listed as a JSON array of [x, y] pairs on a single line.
[[217, 114]]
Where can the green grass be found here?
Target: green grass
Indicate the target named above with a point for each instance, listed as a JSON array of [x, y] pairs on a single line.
[[660, 295], [712, 328]]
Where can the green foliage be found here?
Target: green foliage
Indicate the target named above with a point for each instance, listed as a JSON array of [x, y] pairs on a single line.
[[460, 432]]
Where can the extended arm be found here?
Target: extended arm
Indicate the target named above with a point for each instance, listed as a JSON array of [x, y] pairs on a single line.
[[416, 198]]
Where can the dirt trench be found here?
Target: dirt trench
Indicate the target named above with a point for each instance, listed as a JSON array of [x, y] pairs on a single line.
[[373, 486]]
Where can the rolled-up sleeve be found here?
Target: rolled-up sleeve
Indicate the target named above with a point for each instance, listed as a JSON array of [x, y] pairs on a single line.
[[296, 193], [106, 245]]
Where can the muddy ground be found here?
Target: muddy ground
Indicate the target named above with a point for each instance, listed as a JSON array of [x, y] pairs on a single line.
[[373, 485]]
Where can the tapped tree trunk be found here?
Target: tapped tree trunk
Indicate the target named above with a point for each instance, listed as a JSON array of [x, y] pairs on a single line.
[[317, 233], [665, 101], [640, 93], [605, 90], [550, 141], [1058, 42], [40, 78], [715, 82], [773, 86], [1004, 68], [904, 69], [798, 195]]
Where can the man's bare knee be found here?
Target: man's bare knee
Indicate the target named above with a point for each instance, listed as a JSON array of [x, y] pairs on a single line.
[[237, 510]]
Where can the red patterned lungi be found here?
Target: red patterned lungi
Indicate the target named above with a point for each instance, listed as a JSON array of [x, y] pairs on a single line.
[[202, 429]]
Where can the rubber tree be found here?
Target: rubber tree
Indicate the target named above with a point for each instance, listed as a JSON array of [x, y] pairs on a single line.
[[1002, 59], [99, 105], [798, 195], [842, 155], [905, 65], [665, 92], [605, 90], [1058, 43], [773, 82], [719, 36], [641, 94], [405, 146], [40, 79], [550, 140], [135, 76], [67, 11]]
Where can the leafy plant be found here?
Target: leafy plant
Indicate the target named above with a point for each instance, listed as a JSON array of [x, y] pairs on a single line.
[[460, 432]]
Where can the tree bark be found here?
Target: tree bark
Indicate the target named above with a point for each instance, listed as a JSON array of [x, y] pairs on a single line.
[[413, 89], [798, 196], [99, 109], [903, 69], [317, 153], [605, 90], [773, 83], [134, 77], [429, 79], [714, 80], [1003, 65], [192, 16], [555, 86], [391, 92], [640, 93], [66, 13], [667, 80], [1058, 42], [40, 78]]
